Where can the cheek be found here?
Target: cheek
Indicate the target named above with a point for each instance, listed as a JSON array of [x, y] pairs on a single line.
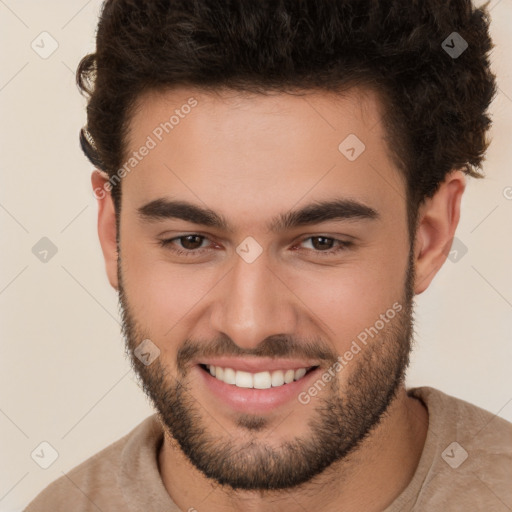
[[349, 299], [161, 295]]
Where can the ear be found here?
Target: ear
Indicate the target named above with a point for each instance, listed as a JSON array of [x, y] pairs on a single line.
[[106, 224], [437, 221]]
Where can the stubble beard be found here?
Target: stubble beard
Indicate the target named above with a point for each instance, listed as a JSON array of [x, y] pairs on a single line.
[[347, 411]]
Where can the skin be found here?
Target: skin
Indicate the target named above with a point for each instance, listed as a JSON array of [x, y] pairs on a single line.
[[250, 158]]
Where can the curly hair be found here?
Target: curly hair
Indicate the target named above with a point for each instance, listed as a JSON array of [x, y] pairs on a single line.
[[435, 104]]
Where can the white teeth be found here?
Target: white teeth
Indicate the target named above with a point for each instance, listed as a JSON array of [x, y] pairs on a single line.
[[260, 380], [300, 373], [289, 376], [277, 378], [244, 380], [229, 375]]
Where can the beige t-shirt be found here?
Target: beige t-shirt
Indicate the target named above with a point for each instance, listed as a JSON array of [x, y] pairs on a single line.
[[466, 466]]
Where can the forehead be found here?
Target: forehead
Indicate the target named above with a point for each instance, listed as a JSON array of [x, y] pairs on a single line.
[[250, 152], [221, 111]]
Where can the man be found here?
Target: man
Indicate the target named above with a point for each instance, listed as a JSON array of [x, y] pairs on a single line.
[[276, 181]]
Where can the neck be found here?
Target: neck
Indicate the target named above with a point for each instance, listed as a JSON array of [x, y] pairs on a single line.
[[368, 479]]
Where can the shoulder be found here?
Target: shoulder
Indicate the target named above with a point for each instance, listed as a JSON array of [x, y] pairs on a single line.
[[457, 417], [471, 455], [94, 484]]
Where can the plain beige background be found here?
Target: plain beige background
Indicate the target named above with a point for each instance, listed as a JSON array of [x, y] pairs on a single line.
[[64, 378]]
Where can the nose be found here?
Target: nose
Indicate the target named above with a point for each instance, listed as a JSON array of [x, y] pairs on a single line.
[[252, 303]]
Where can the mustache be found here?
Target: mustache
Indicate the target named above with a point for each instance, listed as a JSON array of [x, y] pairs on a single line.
[[273, 346]]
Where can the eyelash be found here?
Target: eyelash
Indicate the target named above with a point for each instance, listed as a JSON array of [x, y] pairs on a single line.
[[168, 243]]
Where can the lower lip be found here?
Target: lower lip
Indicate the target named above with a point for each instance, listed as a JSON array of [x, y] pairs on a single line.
[[250, 400]]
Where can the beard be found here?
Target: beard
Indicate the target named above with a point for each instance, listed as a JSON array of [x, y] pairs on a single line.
[[343, 417]]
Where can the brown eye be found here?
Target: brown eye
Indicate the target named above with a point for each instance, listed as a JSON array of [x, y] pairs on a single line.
[[191, 242], [325, 245], [322, 242], [185, 245]]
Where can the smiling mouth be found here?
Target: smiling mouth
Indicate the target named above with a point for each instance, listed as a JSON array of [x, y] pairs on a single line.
[[259, 380]]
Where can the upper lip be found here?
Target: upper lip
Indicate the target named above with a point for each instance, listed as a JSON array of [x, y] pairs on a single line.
[[258, 364]]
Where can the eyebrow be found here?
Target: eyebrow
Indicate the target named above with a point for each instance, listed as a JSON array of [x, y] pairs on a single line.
[[314, 213]]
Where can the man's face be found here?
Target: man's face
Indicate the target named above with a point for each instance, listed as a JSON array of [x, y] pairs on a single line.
[[269, 290]]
